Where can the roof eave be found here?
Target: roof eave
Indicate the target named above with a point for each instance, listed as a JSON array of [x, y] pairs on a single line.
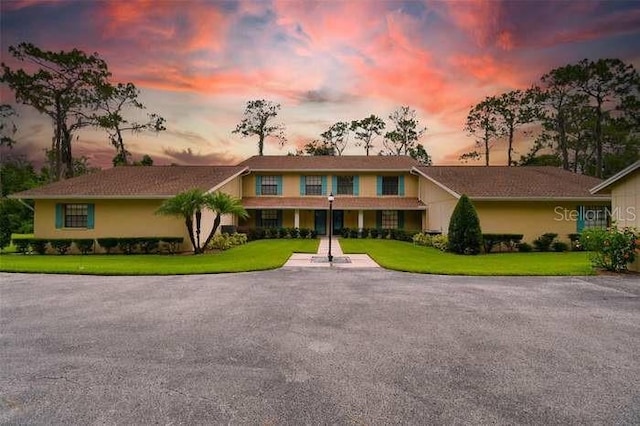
[[437, 183], [615, 178], [594, 198]]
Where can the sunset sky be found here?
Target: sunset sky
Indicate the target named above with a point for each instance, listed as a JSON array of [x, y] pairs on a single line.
[[198, 62]]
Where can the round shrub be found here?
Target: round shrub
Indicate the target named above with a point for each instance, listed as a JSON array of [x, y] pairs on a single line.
[[525, 248]]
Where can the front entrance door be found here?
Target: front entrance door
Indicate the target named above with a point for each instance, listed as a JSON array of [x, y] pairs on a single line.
[[338, 221], [321, 222]]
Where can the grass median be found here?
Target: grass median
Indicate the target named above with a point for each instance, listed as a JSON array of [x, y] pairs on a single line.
[[403, 256], [254, 256]]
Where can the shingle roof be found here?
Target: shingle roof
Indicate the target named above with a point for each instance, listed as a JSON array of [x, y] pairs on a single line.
[[340, 203], [539, 182], [330, 163], [135, 182]]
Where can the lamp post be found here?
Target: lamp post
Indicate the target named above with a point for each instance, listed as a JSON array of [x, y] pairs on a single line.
[[330, 198]]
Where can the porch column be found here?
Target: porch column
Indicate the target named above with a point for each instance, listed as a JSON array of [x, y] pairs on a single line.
[[360, 221], [296, 218]]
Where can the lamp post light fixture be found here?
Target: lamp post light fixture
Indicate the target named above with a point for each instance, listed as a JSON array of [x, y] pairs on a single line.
[[330, 198]]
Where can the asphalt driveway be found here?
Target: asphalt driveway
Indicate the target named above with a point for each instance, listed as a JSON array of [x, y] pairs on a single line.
[[314, 346]]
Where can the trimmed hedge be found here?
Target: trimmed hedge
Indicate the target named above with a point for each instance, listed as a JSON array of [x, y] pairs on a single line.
[[510, 241], [86, 245], [254, 234]]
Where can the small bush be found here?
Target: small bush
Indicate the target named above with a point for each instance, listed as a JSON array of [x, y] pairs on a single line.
[[345, 232], [303, 232], [543, 243], [62, 246], [173, 243], [226, 241], [465, 236], [39, 245], [85, 245], [128, 245], [575, 242], [612, 249], [510, 241], [441, 242], [374, 233], [525, 248], [149, 244], [108, 243], [421, 239], [23, 245], [559, 246]]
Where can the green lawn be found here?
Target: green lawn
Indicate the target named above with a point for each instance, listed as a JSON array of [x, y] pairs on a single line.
[[403, 256], [11, 248], [254, 256]]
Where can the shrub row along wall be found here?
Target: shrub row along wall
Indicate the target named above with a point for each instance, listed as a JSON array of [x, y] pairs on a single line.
[[274, 233], [389, 234], [145, 245]]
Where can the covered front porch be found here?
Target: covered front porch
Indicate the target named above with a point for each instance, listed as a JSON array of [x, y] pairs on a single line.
[[347, 212]]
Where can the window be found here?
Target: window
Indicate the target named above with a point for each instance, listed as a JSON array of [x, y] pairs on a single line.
[[344, 185], [76, 215], [269, 219], [313, 185], [389, 185], [269, 185], [389, 219], [593, 217]]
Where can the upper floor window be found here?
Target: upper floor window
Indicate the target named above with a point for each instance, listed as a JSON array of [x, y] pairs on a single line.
[[344, 185], [269, 185], [313, 185], [389, 185]]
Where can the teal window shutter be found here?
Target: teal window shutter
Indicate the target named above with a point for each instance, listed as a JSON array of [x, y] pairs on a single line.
[[324, 185], [279, 183], [258, 185], [580, 223], [379, 185], [334, 184], [302, 186], [400, 219], [279, 218], [401, 185], [356, 185], [379, 219], [59, 216], [91, 212]]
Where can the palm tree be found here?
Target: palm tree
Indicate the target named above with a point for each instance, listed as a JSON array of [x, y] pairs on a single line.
[[187, 205], [221, 204]]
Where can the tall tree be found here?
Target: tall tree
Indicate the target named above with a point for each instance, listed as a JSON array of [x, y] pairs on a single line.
[[420, 153], [606, 82], [113, 102], [366, 130], [336, 136], [406, 133], [258, 121], [7, 125], [63, 88], [482, 124], [512, 110]]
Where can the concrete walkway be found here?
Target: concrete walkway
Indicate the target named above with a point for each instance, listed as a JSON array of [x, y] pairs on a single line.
[[320, 259]]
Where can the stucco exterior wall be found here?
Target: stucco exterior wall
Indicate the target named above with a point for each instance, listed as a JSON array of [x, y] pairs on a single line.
[[113, 218], [531, 218], [625, 206], [440, 205]]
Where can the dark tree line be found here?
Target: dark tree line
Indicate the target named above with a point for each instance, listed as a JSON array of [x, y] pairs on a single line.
[[75, 91], [587, 116]]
